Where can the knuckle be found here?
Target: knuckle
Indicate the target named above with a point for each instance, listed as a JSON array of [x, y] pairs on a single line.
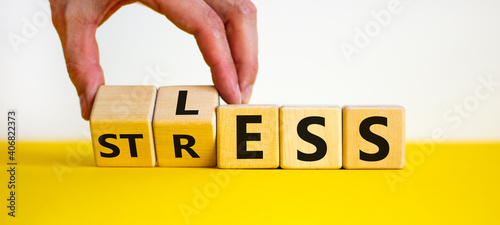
[[79, 71], [82, 75], [245, 7], [74, 71], [215, 22]]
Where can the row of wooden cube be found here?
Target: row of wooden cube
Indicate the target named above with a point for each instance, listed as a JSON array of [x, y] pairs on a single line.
[[184, 126]]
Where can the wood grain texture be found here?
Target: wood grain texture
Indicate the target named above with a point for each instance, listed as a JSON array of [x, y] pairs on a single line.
[[199, 123], [324, 122], [118, 112], [354, 144], [260, 123]]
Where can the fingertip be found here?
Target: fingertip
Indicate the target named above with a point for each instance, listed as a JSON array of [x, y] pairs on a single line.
[[246, 94], [226, 81], [84, 107], [238, 96], [88, 96], [231, 95]]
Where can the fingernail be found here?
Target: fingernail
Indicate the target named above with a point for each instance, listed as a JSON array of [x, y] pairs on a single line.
[[247, 94], [83, 105]]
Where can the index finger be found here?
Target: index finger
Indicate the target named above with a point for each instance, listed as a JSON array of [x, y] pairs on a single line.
[[240, 19], [199, 19]]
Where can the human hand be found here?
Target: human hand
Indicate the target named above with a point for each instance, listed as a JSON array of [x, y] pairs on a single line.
[[225, 31]]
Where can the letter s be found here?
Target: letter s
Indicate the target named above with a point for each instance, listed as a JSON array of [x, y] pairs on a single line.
[[311, 138], [102, 141], [383, 146]]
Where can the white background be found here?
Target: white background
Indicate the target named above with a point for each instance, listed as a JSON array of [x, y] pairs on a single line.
[[429, 58]]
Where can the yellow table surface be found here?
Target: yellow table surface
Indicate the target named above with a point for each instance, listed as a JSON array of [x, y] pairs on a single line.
[[58, 183]]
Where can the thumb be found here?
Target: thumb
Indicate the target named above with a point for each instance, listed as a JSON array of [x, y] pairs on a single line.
[[82, 59]]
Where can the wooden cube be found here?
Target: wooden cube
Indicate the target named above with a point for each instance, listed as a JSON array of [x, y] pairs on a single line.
[[374, 137], [310, 137], [247, 136], [184, 126], [120, 124]]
